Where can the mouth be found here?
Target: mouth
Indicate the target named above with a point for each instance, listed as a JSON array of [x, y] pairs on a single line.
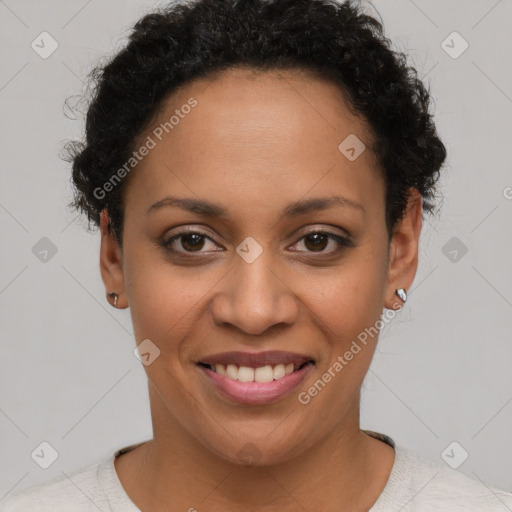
[[255, 378], [267, 373]]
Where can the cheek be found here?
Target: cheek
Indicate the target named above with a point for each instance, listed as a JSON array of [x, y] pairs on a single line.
[[347, 310], [349, 300], [165, 299]]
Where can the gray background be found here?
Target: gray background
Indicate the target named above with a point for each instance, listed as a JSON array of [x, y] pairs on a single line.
[[442, 368]]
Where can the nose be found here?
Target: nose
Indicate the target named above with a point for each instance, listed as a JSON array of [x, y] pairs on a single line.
[[255, 297]]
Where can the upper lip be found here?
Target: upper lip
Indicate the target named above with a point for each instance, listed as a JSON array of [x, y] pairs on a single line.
[[256, 359]]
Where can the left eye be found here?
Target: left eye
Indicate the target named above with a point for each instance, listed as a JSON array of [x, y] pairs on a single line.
[[315, 241]]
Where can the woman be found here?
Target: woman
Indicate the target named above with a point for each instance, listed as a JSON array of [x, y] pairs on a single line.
[[259, 172]]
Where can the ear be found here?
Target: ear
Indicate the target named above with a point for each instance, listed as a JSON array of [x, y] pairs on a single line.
[[111, 262], [403, 251]]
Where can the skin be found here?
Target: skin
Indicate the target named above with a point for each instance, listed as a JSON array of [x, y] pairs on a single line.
[[255, 143]]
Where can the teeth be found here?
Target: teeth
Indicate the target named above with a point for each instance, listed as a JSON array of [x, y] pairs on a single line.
[[232, 371], [279, 371], [246, 374], [219, 368], [262, 374]]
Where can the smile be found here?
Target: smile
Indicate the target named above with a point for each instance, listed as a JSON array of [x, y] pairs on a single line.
[[255, 378]]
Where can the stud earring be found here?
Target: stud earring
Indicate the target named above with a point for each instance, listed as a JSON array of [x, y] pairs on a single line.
[[115, 297], [401, 293]]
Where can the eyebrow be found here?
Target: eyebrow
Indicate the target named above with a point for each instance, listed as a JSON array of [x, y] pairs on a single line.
[[295, 209]]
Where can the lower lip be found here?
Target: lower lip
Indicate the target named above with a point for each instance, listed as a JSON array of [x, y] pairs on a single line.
[[255, 393]]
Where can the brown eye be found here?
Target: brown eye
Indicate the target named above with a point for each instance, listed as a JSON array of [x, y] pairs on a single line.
[[188, 242], [192, 242], [317, 241]]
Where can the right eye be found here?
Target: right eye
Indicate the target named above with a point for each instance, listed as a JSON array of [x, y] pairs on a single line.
[[191, 242]]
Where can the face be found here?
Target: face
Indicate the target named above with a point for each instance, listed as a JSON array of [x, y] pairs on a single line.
[[263, 268]]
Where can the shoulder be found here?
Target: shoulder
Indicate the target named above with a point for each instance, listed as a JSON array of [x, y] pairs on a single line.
[[78, 490], [90, 488], [420, 484]]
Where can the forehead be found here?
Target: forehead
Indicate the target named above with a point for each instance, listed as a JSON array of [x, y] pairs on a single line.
[[252, 134]]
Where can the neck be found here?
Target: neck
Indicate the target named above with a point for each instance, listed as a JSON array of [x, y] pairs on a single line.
[[346, 469]]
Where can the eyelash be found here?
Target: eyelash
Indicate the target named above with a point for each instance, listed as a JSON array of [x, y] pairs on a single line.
[[342, 241]]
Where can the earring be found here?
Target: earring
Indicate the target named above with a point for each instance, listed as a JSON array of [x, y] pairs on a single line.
[[401, 293], [115, 296]]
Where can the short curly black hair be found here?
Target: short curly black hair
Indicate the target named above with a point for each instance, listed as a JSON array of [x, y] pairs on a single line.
[[188, 40]]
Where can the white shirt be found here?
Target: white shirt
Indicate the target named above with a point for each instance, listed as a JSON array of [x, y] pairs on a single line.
[[416, 484]]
